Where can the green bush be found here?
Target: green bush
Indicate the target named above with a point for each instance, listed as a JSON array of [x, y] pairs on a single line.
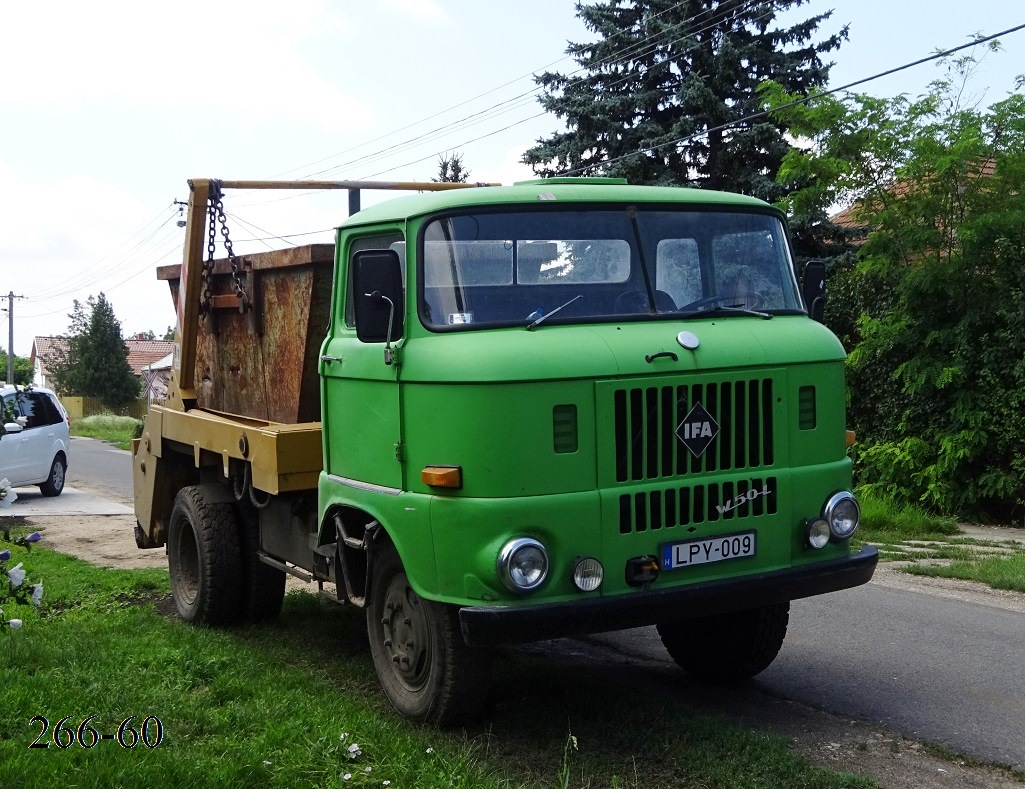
[[118, 430]]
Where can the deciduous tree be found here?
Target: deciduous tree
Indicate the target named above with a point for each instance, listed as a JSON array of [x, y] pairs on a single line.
[[938, 374]]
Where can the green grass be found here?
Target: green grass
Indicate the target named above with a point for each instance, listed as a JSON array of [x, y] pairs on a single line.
[[882, 519], [267, 706], [118, 430], [896, 531], [999, 572]]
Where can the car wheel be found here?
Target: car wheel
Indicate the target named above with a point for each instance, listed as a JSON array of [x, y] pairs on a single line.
[[55, 482], [204, 559], [427, 671]]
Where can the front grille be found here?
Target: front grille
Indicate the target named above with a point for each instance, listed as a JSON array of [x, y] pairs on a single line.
[[646, 420], [671, 507]]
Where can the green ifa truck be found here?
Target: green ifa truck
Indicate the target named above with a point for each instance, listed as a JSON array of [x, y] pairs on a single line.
[[502, 414]]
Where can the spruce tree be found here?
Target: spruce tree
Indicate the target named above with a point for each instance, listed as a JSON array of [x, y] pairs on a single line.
[[451, 169], [105, 370], [95, 362], [675, 81]]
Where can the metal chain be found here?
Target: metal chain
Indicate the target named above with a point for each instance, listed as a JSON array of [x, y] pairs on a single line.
[[236, 270], [215, 214], [207, 271]]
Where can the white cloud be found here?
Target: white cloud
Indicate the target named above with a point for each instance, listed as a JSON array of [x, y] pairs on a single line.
[[507, 171], [422, 9], [231, 57]]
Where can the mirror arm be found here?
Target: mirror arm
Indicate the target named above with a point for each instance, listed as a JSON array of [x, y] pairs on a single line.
[[389, 357]]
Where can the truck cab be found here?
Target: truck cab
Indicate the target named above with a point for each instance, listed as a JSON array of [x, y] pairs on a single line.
[[562, 407]]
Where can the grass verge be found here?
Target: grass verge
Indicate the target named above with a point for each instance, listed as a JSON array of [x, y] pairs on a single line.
[[284, 705], [882, 519], [998, 572], [118, 430], [934, 547]]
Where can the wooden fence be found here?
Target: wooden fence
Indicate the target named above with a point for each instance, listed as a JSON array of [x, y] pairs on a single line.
[[79, 407]]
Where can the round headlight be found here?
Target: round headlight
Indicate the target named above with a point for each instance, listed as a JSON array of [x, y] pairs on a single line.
[[588, 574], [843, 515], [523, 565], [818, 533]]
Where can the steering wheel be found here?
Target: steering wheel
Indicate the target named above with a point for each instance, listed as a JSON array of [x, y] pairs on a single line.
[[749, 299]]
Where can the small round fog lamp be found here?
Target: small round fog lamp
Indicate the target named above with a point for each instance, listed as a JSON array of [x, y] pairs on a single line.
[[523, 565], [843, 514], [588, 574], [818, 533]]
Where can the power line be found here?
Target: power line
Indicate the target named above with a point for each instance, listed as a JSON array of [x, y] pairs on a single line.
[[638, 49], [468, 101], [803, 100], [641, 48]]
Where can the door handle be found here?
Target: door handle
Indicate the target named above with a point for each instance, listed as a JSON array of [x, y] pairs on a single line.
[[330, 359]]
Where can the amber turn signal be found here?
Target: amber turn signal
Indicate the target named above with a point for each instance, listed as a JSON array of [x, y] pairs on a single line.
[[442, 476]]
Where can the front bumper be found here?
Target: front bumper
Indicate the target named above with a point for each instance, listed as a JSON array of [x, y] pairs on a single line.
[[487, 625]]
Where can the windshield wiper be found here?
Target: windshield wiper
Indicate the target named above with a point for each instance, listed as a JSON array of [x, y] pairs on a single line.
[[550, 314], [723, 309]]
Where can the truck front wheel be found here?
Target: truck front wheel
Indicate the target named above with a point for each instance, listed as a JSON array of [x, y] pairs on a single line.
[[427, 671], [204, 559], [727, 648]]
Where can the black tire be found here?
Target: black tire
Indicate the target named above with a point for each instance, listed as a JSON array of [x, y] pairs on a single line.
[[204, 559], [263, 586], [427, 671], [727, 648], [55, 482]]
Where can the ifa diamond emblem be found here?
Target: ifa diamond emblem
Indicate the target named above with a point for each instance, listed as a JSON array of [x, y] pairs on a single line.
[[697, 430]]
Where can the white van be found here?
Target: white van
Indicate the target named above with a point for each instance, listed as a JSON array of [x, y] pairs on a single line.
[[35, 439]]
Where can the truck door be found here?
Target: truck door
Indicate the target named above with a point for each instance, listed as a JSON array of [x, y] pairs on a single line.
[[360, 392]]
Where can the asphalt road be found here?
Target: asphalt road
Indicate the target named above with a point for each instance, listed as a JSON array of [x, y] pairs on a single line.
[[927, 660], [931, 664], [99, 468]]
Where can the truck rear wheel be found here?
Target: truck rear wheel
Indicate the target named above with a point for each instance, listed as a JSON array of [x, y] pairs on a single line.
[[727, 648], [427, 671], [204, 559]]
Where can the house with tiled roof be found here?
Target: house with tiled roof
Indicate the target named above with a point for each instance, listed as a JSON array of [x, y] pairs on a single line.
[[45, 353], [141, 357]]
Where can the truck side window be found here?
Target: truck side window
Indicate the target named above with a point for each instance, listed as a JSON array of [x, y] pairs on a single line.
[[392, 241]]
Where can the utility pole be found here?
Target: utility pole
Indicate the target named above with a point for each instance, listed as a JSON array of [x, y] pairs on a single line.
[[10, 335]]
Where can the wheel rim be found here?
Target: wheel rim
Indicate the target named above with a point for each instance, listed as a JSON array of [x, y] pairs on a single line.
[[57, 477], [187, 564], [406, 634]]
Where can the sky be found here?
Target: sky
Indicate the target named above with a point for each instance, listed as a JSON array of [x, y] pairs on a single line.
[[107, 108]]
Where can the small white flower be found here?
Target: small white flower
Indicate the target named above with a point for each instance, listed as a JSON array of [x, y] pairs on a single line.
[[347, 776], [266, 763], [15, 624], [343, 736], [385, 783], [368, 769], [354, 748], [17, 575], [430, 750], [37, 594]]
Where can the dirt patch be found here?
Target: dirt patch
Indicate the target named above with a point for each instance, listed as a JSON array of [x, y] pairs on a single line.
[[890, 759]]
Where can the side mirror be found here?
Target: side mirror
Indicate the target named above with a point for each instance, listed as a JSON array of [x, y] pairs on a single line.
[[13, 427], [378, 304], [813, 289]]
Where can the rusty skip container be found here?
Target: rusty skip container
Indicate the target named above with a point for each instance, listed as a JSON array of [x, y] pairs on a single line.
[[262, 363]]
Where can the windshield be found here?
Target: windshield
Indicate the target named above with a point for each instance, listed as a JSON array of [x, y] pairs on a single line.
[[498, 269]]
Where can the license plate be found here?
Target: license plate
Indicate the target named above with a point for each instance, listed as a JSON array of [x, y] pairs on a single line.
[[708, 550]]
